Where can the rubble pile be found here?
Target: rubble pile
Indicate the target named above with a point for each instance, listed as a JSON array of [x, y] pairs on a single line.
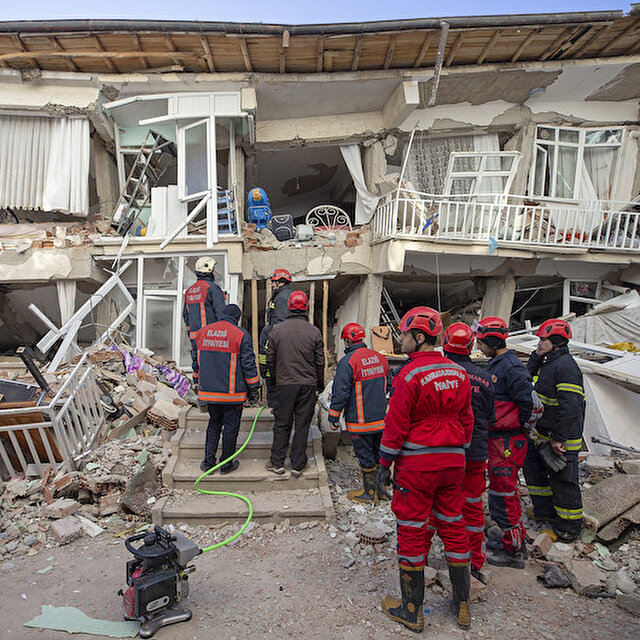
[[46, 512], [43, 235]]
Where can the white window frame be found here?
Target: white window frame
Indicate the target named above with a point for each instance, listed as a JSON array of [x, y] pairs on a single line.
[[482, 172], [581, 145]]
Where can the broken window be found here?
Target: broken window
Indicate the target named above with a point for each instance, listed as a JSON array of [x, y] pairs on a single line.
[[575, 163], [477, 173]]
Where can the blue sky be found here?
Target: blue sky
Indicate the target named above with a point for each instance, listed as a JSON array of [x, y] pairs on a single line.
[[286, 11]]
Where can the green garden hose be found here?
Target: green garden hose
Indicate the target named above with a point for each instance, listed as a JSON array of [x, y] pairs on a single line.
[[227, 493]]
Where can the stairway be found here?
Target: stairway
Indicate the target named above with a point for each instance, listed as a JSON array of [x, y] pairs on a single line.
[[274, 498]]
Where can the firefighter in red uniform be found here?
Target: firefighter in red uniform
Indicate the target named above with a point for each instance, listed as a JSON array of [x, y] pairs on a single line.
[[457, 344], [203, 304], [228, 375], [360, 389], [517, 409], [427, 428]]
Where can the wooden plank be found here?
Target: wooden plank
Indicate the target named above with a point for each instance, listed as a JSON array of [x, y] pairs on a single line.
[[559, 43], [320, 55], [582, 41], [390, 52], [454, 49], [488, 47], [614, 41], [100, 47], [524, 44], [312, 301], [245, 54], [356, 53], [23, 47], [138, 44], [208, 55], [325, 308], [284, 43], [423, 51]]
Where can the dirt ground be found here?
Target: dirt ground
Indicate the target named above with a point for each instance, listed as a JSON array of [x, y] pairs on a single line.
[[279, 582]]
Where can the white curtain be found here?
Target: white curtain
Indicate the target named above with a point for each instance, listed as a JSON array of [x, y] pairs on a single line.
[[366, 201], [44, 164], [67, 305], [488, 143]]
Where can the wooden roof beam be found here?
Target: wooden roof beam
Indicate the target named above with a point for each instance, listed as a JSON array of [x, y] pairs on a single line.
[[320, 55], [614, 41], [208, 55], [284, 45], [172, 49], [68, 61], [582, 41], [138, 45], [454, 49], [423, 51], [488, 47], [559, 43], [100, 47], [390, 52], [356, 53], [245, 54], [524, 44], [23, 47]]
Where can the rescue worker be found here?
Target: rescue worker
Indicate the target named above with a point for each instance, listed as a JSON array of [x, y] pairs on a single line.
[[228, 375], [203, 304], [277, 311], [360, 389], [295, 362], [427, 427], [457, 345], [516, 411], [551, 467]]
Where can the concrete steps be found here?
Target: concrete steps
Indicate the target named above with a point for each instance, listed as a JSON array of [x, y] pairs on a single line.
[[274, 498]]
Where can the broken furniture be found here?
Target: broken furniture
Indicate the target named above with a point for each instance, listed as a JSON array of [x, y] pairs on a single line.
[[328, 217], [258, 208], [154, 158]]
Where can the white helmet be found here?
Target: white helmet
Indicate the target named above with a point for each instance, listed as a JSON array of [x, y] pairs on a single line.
[[205, 265]]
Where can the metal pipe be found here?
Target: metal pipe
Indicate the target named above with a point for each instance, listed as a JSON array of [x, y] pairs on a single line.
[[73, 26], [442, 45], [26, 355]]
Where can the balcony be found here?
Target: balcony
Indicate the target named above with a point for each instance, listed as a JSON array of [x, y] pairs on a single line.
[[509, 221]]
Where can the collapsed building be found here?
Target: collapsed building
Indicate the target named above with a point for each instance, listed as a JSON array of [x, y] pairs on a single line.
[[482, 165]]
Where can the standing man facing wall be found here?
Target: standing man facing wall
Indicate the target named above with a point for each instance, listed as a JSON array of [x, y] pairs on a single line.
[[295, 362], [203, 304]]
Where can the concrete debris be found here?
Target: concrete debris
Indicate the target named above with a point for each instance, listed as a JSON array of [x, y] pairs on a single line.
[[61, 508], [611, 497], [631, 467], [629, 602], [599, 467], [542, 544], [66, 529], [143, 486], [586, 579]]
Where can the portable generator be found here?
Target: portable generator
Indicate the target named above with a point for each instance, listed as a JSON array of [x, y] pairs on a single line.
[[158, 579]]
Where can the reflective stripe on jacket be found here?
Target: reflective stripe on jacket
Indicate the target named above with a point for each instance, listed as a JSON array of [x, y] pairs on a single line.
[[203, 304], [226, 362], [360, 389], [560, 387], [429, 422], [512, 392]]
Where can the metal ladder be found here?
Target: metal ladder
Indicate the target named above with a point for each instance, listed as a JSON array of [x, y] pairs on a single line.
[[389, 314], [154, 158]]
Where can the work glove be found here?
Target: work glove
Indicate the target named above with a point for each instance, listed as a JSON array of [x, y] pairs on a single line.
[[383, 477], [554, 461], [536, 438], [334, 421], [253, 395]]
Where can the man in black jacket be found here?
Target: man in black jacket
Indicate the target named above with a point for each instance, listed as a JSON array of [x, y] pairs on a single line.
[[276, 313], [551, 467], [295, 362]]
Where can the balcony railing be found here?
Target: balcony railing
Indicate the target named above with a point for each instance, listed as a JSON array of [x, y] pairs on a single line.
[[501, 220]]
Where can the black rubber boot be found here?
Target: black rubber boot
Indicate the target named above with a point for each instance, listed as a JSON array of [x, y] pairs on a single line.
[[461, 585], [381, 490], [366, 493], [408, 611]]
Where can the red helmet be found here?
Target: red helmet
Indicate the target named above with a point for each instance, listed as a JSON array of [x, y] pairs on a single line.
[[554, 327], [352, 331], [298, 301], [281, 274], [422, 318], [458, 338], [492, 326]]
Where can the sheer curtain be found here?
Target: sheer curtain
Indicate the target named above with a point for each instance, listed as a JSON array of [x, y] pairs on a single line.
[[366, 201], [44, 164]]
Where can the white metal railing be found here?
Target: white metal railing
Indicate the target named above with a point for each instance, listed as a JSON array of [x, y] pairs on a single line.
[[63, 431], [509, 220]]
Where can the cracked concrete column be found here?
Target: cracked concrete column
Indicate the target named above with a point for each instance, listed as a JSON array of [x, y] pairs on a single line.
[[498, 297], [107, 187], [369, 303], [374, 165]]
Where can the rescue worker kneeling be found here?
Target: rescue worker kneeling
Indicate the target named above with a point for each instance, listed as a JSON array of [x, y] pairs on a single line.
[[360, 389], [427, 428], [228, 374]]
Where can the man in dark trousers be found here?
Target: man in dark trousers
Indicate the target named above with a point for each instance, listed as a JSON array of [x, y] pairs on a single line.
[[517, 409], [228, 375], [457, 344], [360, 389], [203, 304], [276, 312], [551, 467], [427, 428], [295, 361]]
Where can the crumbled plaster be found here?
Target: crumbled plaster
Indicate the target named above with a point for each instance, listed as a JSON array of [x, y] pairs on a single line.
[[36, 95], [320, 266], [41, 265], [463, 112]]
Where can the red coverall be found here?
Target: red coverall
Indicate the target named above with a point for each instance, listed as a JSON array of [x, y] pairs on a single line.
[[427, 427]]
